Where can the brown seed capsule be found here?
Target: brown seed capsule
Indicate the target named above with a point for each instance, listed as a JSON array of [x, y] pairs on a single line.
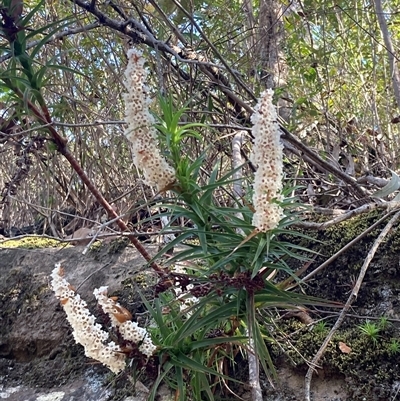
[[122, 314]]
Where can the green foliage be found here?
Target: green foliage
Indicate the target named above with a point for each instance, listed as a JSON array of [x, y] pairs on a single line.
[[371, 330], [230, 273], [25, 77], [359, 365], [193, 342], [394, 347], [384, 323], [336, 59], [320, 327], [173, 132]]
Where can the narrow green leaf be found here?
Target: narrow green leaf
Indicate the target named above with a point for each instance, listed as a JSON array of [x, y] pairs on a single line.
[[180, 383], [185, 362], [260, 250], [212, 342], [166, 367]]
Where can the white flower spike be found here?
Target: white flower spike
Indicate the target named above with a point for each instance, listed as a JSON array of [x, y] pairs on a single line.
[[86, 331], [141, 131], [267, 156]]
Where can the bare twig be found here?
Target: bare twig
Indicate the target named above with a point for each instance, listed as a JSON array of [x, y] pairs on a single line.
[[370, 179], [173, 28], [19, 133], [141, 34], [397, 392], [93, 124], [350, 300], [91, 274], [252, 357], [102, 226], [315, 159], [362, 317], [38, 208], [43, 115], [215, 50]]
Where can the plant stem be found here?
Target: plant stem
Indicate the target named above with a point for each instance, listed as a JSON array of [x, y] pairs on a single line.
[[254, 364]]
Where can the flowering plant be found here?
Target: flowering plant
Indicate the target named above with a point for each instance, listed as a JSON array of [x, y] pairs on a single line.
[[232, 253], [232, 249]]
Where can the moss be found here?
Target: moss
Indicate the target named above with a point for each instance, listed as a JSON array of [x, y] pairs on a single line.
[[330, 240], [32, 242], [96, 246], [115, 246], [35, 299], [367, 359], [118, 245]]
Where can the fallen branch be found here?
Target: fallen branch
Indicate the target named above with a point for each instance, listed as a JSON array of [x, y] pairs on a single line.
[[347, 215]]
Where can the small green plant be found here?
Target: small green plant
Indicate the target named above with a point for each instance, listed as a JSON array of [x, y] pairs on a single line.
[[320, 327], [394, 346], [371, 331], [383, 323]]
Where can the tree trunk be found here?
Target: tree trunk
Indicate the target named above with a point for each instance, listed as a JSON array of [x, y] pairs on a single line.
[[272, 65]]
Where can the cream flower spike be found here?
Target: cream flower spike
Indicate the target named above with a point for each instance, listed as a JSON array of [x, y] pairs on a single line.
[[267, 156], [141, 131], [121, 318], [86, 331]]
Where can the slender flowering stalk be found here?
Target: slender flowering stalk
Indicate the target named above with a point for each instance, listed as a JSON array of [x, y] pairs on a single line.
[[267, 155], [86, 331], [141, 131]]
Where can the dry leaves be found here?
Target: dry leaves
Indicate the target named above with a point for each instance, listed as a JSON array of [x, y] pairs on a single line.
[[344, 348]]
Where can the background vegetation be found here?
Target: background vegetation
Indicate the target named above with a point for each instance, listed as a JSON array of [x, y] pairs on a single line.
[[328, 63]]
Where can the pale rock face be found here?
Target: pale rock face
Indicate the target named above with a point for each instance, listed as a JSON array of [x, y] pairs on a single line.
[[267, 156], [140, 131]]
